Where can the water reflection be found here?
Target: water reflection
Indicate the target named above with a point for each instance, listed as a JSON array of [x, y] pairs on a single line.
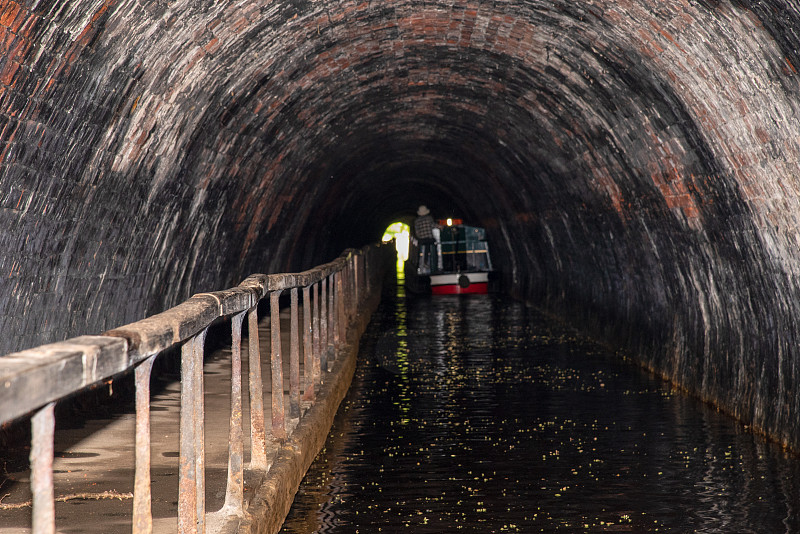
[[479, 415], [400, 331]]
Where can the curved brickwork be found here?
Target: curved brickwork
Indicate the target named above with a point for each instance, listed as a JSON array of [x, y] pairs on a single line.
[[635, 161]]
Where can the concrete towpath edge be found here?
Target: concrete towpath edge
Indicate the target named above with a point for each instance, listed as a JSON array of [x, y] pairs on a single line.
[[272, 500]]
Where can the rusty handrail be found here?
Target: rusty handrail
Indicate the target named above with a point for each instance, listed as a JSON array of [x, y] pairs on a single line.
[[33, 380]]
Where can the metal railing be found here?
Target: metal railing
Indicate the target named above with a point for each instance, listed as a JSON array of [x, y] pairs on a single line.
[[34, 380]]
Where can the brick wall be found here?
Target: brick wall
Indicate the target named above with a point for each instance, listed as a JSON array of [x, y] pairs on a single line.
[[635, 162]]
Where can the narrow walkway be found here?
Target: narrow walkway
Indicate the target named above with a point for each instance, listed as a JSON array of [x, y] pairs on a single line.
[[96, 458]]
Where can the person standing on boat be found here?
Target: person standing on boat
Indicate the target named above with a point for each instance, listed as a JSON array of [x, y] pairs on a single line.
[[423, 229]]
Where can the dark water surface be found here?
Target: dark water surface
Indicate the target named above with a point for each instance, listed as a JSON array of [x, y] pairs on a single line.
[[480, 415]]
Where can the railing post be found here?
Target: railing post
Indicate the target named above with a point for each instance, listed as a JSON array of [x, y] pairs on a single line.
[[356, 282], [347, 289], [191, 484], [278, 411], [258, 440], [142, 498], [315, 319], [200, 434], [323, 324], [367, 262], [294, 358], [353, 290], [331, 348], [365, 275], [308, 352], [340, 297], [336, 334], [234, 492], [43, 429], [365, 271]]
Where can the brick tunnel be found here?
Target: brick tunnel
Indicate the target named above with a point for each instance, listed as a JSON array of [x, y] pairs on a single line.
[[634, 162]]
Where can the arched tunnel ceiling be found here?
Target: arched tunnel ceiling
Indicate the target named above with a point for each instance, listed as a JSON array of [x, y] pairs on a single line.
[[634, 161]]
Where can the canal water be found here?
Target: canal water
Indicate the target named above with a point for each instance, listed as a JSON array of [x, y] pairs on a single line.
[[478, 414]]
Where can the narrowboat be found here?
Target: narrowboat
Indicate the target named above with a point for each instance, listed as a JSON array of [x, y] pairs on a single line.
[[458, 263]]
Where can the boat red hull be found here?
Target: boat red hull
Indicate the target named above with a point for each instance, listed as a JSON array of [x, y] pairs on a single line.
[[480, 288], [460, 283]]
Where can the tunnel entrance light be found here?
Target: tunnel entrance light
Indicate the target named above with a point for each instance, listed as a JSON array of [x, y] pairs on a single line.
[[401, 233]]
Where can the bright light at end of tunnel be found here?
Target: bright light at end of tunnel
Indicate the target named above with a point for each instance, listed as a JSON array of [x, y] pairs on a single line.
[[400, 233]]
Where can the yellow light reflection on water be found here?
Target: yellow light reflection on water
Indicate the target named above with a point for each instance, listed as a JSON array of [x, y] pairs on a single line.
[[401, 354], [401, 233]]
